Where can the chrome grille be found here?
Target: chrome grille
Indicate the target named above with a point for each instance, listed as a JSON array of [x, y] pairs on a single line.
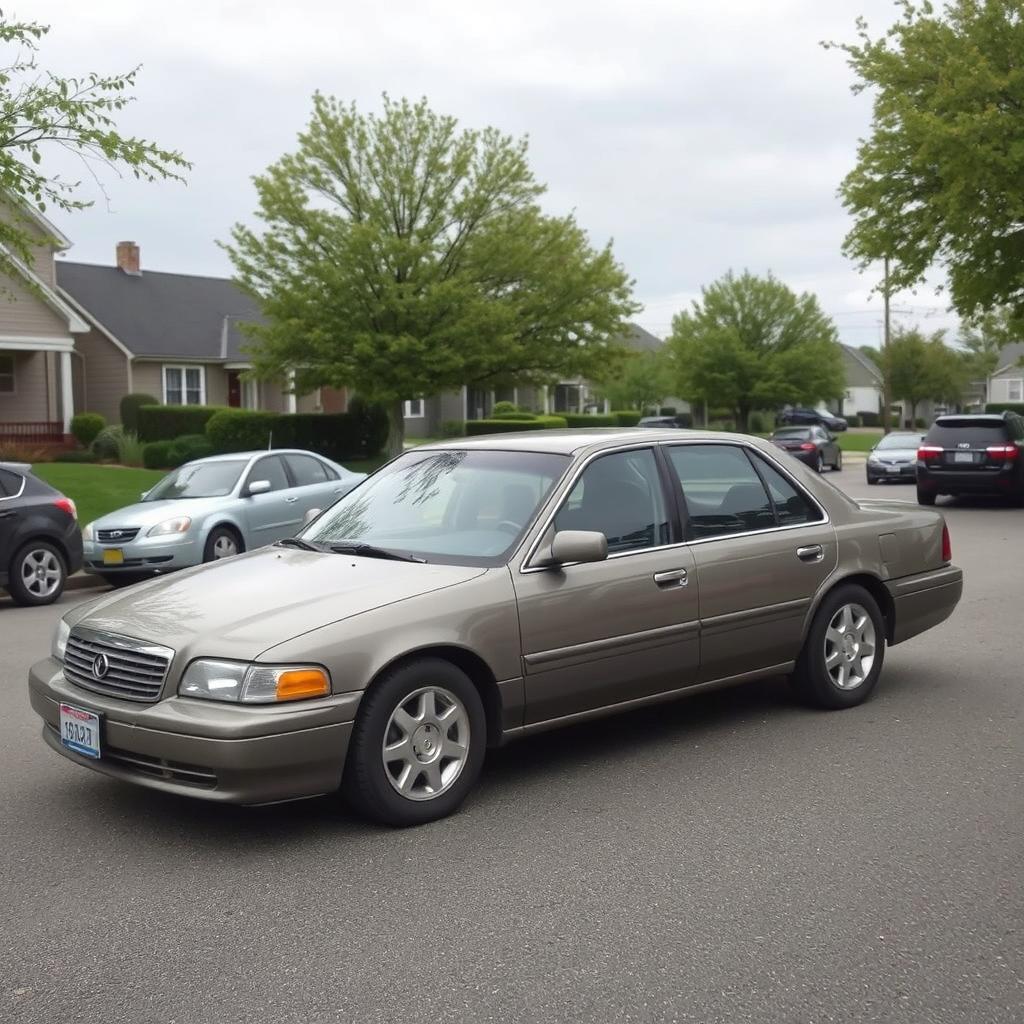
[[121, 534], [117, 666]]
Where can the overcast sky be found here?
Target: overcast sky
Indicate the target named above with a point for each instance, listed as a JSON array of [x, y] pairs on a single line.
[[699, 136]]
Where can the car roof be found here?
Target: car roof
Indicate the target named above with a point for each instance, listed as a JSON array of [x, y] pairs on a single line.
[[569, 441], [17, 467], [236, 456], [979, 418]]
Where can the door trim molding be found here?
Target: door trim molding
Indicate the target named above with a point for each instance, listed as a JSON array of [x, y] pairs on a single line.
[[563, 657]]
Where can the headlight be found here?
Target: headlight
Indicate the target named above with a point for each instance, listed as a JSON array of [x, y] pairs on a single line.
[[874, 458], [60, 640], [179, 525], [240, 682], [87, 533]]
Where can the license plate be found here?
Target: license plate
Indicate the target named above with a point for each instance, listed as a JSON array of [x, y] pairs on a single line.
[[892, 469], [113, 556], [963, 456], [80, 730]]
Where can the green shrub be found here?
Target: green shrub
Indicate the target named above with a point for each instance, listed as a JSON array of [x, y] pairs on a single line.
[[502, 409], [130, 406], [157, 455], [75, 456], [853, 420], [475, 427], [514, 415], [188, 447], [667, 410], [590, 420], [241, 430], [626, 417], [1017, 407], [107, 444], [920, 423], [166, 422], [129, 448], [761, 422], [453, 428], [85, 426]]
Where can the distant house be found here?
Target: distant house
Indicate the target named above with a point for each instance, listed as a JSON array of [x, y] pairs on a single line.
[[863, 382], [1007, 382]]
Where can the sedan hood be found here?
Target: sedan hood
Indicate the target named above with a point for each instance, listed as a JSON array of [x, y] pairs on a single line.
[[242, 606], [144, 514]]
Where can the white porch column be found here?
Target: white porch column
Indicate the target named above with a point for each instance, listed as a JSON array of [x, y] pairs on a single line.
[[293, 399], [547, 400], [579, 396], [67, 395]]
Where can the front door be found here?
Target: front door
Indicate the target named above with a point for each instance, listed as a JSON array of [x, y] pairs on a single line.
[[234, 389], [273, 514], [602, 633], [762, 549]]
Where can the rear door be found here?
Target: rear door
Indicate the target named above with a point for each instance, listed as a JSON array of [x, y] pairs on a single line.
[[11, 485], [313, 482], [762, 548], [274, 514]]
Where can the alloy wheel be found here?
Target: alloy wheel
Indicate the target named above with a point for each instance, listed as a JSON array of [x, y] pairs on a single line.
[[224, 546], [41, 572], [850, 646], [426, 743]]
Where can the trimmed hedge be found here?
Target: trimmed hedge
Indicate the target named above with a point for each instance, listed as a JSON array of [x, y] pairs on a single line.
[[501, 410], [166, 422], [85, 426], [157, 455], [1017, 407], [590, 420], [513, 415], [626, 417], [241, 430], [853, 420], [475, 427], [188, 447], [75, 456], [130, 406]]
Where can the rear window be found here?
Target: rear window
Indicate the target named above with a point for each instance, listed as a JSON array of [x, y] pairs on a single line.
[[10, 483], [799, 433], [952, 431]]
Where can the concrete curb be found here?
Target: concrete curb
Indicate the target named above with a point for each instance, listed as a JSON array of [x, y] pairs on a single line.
[[84, 581]]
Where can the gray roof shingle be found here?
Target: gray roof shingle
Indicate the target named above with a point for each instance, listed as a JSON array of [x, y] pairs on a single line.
[[155, 314]]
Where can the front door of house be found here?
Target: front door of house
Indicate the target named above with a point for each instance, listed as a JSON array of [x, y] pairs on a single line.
[[235, 389]]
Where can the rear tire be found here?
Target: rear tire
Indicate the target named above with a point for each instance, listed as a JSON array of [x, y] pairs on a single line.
[[837, 466], [820, 465], [925, 497], [844, 650], [37, 574], [412, 760]]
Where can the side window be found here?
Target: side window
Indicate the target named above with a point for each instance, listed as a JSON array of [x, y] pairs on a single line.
[[723, 493], [791, 507], [10, 483], [306, 470], [619, 495], [271, 469]]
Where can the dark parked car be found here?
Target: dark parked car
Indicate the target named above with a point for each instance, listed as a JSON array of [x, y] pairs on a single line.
[[810, 418], [40, 542], [972, 455], [813, 446], [894, 458], [663, 422]]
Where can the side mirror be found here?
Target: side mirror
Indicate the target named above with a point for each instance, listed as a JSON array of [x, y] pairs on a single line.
[[142, 496], [310, 515], [258, 487], [579, 546]]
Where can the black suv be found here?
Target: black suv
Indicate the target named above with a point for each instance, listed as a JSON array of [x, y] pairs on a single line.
[[972, 455], [810, 418], [40, 541]]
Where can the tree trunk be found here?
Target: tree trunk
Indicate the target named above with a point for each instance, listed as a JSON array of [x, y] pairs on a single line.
[[396, 429], [743, 419]]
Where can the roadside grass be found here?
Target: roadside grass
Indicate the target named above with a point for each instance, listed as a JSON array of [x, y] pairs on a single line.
[[97, 490], [858, 442]]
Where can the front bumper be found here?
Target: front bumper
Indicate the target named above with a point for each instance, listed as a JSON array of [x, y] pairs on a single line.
[[924, 600], [253, 754], [898, 471], [144, 554]]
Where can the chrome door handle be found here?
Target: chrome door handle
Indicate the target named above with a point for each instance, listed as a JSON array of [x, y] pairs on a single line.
[[677, 576], [291, 500], [810, 553]]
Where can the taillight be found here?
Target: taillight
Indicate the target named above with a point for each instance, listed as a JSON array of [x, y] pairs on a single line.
[[807, 447], [947, 547], [1002, 452], [928, 451], [67, 505]]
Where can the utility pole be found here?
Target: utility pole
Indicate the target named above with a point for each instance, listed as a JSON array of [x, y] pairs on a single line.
[[886, 397]]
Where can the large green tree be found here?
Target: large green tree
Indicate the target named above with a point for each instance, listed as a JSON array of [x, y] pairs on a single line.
[[921, 367], [402, 256], [752, 343], [938, 179], [640, 380], [42, 113]]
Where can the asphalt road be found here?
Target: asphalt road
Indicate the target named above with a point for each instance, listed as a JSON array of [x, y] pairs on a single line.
[[729, 858]]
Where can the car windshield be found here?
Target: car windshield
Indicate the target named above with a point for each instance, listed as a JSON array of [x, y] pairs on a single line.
[[900, 441], [199, 480], [456, 506], [793, 434]]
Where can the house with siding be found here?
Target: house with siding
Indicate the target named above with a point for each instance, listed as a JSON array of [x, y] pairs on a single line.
[[1007, 382]]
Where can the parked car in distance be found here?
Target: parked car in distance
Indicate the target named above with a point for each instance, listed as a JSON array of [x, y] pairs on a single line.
[[810, 417], [476, 591], [213, 508], [813, 446], [40, 542], [894, 458], [979, 454], [664, 422]]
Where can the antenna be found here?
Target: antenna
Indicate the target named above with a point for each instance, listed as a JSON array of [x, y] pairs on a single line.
[[270, 440]]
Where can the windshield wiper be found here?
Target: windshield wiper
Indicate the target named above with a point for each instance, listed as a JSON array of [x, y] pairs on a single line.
[[372, 551], [298, 542]]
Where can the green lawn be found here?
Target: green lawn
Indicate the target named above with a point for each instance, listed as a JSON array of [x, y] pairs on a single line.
[[856, 442], [97, 490]]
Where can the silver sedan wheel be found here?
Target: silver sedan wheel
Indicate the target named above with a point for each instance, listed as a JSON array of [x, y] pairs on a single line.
[[224, 546], [41, 572], [850, 646], [426, 743]]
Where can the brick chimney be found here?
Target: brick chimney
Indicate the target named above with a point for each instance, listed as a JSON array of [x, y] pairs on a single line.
[[128, 258]]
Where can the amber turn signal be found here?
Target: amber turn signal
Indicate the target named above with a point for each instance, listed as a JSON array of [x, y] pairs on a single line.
[[295, 684]]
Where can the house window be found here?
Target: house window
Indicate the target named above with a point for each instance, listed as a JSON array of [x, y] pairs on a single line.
[[414, 409], [184, 385], [1014, 390], [6, 375]]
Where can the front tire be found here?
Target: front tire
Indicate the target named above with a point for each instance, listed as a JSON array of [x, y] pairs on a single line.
[[222, 542], [418, 744], [37, 574], [873, 480], [842, 656]]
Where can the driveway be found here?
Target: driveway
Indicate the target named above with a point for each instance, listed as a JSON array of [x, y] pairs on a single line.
[[729, 858]]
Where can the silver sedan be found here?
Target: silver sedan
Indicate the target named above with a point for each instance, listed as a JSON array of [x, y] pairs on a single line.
[[213, 508]]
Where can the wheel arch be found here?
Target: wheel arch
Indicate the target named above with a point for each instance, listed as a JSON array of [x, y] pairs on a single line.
[[219, 522], [873, 585]]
